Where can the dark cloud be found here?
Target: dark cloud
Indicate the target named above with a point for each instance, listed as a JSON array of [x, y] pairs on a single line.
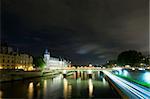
[[85, 31]]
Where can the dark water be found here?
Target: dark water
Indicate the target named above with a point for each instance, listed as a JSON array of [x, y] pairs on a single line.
[[76, 86], [140, 75]]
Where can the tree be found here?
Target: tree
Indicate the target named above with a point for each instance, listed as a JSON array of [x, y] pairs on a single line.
[[146, 60], [39, 62], [130, 57]]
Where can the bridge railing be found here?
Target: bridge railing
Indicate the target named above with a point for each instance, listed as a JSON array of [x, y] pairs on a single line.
[[86, 68]]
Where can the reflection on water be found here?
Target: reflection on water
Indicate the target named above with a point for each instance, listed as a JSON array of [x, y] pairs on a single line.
[[104, 82], [143, 76], [30, 90], [65, 88], [146, 77], [78, 85], [126, 73], [85, 87], [90, 88], [1, 93], [70, 90], [44, 87]]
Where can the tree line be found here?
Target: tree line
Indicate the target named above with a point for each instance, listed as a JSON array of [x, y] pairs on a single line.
[[132, 58]]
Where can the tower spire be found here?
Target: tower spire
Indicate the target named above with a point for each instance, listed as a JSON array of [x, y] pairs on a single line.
[[46, 51]]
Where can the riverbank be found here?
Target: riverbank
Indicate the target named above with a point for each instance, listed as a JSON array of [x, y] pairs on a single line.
[[116, 88], [7, 76]]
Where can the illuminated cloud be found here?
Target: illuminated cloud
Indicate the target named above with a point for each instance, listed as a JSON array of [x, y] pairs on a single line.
[[85, 49]]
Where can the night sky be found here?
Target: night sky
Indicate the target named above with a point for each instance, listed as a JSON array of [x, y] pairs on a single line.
[[83, 31]]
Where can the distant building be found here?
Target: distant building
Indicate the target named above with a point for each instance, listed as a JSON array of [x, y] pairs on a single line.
[[54, 63], [9, 59]]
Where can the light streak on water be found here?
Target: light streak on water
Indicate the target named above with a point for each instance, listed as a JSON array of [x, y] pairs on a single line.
[[132, 90]]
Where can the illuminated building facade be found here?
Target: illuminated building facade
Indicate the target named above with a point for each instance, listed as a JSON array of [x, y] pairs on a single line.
[[14, 60], [54, 63]]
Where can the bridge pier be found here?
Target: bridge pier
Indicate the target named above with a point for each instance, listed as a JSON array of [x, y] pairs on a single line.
[[101, 73], [90, 73], [64, 73]]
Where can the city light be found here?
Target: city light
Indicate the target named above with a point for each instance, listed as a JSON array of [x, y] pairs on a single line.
[[141, 69], [89, 71], [117, 68], [64, 71], [90, 65], [1, 67], [133, 68], [30, 68]]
